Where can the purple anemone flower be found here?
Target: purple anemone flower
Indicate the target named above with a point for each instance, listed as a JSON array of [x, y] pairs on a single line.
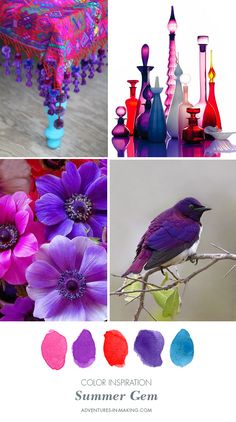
[[74, 204], [21, 310], [68, 281]]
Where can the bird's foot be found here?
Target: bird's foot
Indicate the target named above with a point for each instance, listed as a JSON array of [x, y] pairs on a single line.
[[193, 260]]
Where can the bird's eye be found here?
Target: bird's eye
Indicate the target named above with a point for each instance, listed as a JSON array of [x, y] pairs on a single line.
[[191, 206]]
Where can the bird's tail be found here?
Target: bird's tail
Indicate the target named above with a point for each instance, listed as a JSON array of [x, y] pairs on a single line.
[[139, 262]]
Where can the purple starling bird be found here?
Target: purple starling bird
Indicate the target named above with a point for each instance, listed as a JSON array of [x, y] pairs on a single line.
[[172, 237]]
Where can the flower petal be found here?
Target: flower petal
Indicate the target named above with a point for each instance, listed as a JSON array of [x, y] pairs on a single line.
[[71, 179], [97, 291], [89, 172], [22, 201], [96, 226], [50, 184], [80, 229], [7, 209], [49, 305], [21, 221], [50, 209], [63, 252], [41, 274], [27, 245], [94, 263], [97, 193], [16, 272], [71, 312], [35, 293], [5, 262], [94, 312], [63, 229], [81, 244]]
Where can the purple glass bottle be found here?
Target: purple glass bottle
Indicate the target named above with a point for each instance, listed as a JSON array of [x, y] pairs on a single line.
[[145, 72], [143, 119]]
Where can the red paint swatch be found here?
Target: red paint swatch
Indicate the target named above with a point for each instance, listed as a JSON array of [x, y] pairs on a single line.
[[54, 348], [115, 348]]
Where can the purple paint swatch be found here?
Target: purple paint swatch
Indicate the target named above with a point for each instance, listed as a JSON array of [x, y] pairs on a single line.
[[149, 345], [84, 350]]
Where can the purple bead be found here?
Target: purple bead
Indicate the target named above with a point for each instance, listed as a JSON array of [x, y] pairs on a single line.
[[6, 51], [59, 124]]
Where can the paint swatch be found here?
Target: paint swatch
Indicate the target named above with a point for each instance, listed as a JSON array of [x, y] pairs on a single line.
[[115, 348], [149, 345], [182, 349], [84, 350], [54, 348]]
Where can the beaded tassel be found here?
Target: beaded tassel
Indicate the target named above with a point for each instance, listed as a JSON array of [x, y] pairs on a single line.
[[75, 75], [28, 66], [6, 52], [101, 56], [17, 63]]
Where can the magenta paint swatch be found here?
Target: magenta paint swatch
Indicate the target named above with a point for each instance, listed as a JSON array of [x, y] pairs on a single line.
[[149, 345], [84, 350], [54, 348]]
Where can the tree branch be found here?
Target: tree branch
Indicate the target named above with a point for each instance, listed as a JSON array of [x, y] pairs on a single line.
[[143, 279]]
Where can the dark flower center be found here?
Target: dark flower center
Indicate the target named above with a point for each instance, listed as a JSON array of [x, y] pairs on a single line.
[[78, 207], [54, 164], [8, 236], [71, 285]]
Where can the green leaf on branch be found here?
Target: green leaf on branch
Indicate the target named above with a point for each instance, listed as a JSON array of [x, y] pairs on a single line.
[[161, 297], [172, 304], [165, 279], [136, 285]]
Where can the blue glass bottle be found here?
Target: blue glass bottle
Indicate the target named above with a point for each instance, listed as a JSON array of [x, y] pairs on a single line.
[[157, 121]]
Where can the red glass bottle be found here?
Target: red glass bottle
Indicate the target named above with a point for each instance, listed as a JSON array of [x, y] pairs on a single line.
[[211, 115], [131, 105], [193, 133]]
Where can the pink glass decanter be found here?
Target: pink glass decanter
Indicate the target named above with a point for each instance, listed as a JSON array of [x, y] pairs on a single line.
[[172, 26]]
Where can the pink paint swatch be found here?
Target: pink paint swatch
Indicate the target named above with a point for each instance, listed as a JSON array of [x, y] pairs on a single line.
[[54, 348]]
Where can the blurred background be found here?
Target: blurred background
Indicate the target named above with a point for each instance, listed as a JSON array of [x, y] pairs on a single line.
[[140, 190]]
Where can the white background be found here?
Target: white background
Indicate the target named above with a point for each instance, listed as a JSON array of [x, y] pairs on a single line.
[[133, 23], [31, 391]]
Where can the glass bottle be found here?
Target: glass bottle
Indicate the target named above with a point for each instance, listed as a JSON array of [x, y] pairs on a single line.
[[183, 115], [172, 26], [203, 41], [142, 121], [157, 122], [172, 119], [145, 73], [120, 130], [193, 133], [211, 115], [131, 105]]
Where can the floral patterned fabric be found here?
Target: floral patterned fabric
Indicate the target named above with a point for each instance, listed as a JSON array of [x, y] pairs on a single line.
[[59, 31]]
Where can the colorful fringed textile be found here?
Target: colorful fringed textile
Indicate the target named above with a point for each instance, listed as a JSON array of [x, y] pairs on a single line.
[[59, 32]]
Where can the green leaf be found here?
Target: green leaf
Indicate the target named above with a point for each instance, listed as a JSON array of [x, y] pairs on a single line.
[[129, 289], [161, 297], [172, 304], [165, 279], [159, 317]]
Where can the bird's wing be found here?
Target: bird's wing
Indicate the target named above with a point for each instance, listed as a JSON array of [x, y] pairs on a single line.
[[172, 238]]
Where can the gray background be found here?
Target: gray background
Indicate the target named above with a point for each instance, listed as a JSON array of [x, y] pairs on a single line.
[[140, 190]]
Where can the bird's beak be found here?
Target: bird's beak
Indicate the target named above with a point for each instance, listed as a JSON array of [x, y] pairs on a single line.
[[203, 209]]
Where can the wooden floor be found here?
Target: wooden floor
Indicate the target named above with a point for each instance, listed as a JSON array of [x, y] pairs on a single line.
[[23, 120]]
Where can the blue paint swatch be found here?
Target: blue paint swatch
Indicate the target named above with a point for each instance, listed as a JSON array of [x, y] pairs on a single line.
[[149, 345], [182, 349]]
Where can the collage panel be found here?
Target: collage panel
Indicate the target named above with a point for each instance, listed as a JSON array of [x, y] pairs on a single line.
[[53, 78], [53, 240], [170, 92], [171, 223]]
